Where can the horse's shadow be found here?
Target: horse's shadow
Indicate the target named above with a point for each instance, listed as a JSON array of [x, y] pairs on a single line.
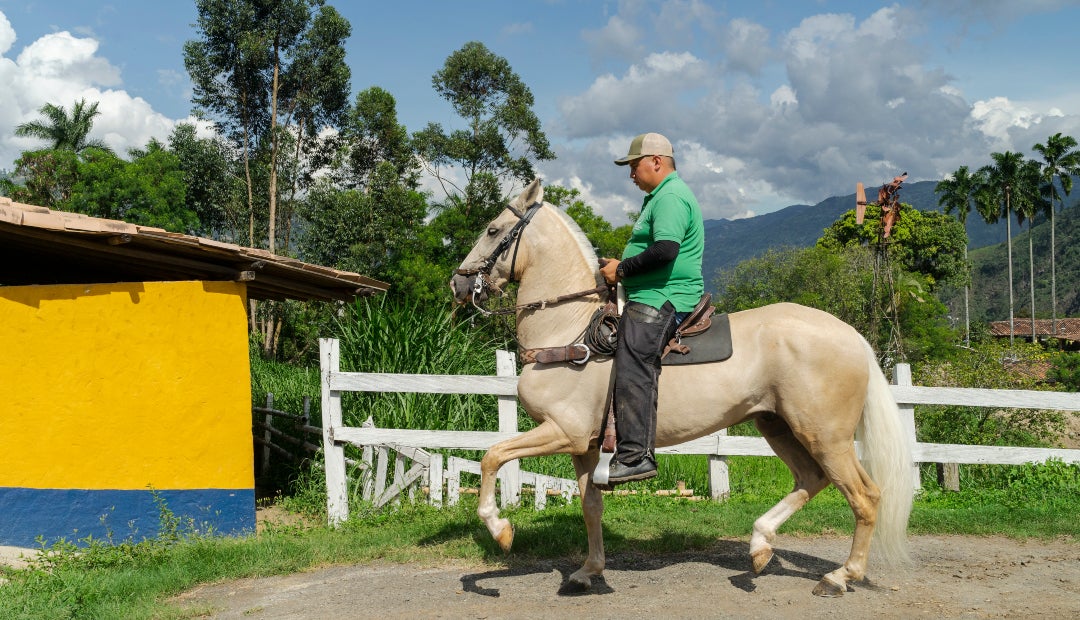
[[730, 555]]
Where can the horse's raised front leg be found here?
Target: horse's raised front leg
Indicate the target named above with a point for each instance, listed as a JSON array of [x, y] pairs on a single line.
[[543, 440], [592, 507]]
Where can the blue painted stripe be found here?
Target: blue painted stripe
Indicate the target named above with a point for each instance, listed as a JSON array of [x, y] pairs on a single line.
[[75, 514]]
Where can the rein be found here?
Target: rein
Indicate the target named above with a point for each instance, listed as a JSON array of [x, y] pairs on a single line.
[[483, 273], [543, 303]]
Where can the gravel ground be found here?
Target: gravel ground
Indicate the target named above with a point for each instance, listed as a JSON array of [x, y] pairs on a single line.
[[953, 577]]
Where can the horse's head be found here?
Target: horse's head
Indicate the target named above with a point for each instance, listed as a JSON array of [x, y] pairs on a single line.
[[497, 254]]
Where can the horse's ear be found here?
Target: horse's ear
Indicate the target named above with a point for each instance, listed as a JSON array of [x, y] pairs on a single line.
[[532, 194]]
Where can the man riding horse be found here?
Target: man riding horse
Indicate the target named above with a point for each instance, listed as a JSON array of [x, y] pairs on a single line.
[[661, 273]]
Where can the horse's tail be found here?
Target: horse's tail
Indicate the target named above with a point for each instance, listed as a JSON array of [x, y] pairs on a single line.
[[886, 456]]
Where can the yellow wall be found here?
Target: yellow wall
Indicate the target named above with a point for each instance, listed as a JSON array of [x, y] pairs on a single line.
[[121, 386]]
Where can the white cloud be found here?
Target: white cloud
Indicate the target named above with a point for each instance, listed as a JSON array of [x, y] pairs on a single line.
[[746, 46], [60, 68], [7, 34], [645, 88]]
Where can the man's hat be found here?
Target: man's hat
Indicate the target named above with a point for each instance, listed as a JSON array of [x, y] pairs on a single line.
[[644, 145]]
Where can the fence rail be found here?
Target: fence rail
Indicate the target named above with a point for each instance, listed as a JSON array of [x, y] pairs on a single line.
[[717, 446]]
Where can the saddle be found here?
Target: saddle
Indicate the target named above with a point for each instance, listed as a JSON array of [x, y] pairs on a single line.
[[699, 320]]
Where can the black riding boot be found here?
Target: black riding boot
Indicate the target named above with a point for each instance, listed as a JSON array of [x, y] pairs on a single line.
[[643, 333]]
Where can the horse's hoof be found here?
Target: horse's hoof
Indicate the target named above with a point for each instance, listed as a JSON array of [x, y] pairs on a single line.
[[828, 589], [506, 538], [761, 559], [573, 586]]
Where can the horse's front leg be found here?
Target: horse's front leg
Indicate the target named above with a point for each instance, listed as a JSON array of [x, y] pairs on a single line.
[[592, 507], [547, 438]]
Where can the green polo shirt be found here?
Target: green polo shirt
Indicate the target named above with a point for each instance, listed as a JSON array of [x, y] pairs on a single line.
[[670, 212]]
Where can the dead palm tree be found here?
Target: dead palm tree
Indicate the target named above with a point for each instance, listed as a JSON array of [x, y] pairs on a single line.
[[1060, 159]]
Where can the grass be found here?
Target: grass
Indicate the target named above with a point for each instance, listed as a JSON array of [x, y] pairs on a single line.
[[136, 580]]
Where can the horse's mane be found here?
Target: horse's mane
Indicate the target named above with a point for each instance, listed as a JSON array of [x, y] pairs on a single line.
[[586, 247]]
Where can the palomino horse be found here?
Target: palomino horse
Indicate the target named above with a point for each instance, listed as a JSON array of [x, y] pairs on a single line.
[[807, 379]]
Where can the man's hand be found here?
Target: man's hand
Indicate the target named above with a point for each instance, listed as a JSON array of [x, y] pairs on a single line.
[[607, 269]]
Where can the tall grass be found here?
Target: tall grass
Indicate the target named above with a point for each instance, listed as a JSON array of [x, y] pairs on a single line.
[[394, 336]]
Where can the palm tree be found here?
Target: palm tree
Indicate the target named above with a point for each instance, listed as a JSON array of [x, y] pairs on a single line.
[[1026, 203], [67, 133], [1060, 159], [955, 193], [1001, 182]]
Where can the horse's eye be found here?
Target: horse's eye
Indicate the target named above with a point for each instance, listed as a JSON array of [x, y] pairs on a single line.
[[492, 231]]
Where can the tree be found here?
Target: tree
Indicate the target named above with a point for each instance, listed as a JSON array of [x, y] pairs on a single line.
[[44, 178], [925, 250], [65, 133], [1004, 182], [271, 71], [149, 190], [924, 242], [367, 231], [1060, 161], [371, 136], [497, 149], [607, 240], [956, 193], [1027, 205], [213, 180]]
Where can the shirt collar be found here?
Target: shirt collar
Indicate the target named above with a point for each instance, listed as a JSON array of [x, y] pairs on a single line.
[[672, 175]]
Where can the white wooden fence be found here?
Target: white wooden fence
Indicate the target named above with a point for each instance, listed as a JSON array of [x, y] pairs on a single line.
[[717, 446]]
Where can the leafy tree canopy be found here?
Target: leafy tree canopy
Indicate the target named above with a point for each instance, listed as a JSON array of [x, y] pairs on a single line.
[[925, 242]]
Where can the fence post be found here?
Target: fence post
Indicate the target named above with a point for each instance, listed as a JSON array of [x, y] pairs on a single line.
[[337, 494], [267, 437], [435, 480], [902, 376], [510, 473], [367, 478], [719, 479]]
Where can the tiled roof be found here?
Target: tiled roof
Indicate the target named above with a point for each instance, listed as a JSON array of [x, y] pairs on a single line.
[[1067, 328], [40, 246]]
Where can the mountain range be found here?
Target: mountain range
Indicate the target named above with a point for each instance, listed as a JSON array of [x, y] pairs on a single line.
[[728, 242]]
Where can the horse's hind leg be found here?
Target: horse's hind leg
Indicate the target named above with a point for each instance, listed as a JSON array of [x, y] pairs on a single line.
[[547, 438], [863, 495], [809, 481], [592, 507]]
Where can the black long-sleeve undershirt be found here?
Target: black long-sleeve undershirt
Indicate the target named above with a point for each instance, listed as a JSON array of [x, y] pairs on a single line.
[[655, 256]]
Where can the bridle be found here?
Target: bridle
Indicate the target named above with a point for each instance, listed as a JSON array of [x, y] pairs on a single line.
[[483, 272]]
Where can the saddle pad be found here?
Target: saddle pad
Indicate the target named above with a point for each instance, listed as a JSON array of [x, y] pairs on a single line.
[[712, 345]]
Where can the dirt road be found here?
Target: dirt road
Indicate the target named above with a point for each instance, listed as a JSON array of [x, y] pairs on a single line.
[[954, 577]]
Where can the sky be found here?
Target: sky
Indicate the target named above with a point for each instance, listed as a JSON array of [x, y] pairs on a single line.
[[768, 103]]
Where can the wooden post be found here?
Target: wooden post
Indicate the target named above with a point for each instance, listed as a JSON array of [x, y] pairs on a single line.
[[540, 487], [337, 494], [948, 476], [267, 437], [382, 456], [902, 376], [435, 480], [368, 457], [510, 473], [719, 475], [453, 481]]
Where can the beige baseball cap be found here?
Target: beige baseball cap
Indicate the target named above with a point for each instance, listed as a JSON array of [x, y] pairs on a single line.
[[644, 145]]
